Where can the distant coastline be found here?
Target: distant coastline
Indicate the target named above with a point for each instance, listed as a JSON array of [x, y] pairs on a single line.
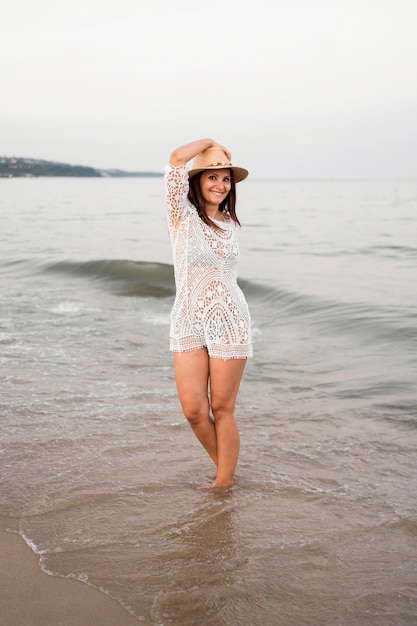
[[12, 167]]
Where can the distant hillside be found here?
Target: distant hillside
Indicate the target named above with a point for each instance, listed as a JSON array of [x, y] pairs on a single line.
[[11, 167]]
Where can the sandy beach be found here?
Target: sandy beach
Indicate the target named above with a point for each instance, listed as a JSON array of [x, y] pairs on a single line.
[[31, 598]]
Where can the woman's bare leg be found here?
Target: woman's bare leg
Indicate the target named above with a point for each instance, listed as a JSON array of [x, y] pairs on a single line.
[[192, 373], [225, 377]]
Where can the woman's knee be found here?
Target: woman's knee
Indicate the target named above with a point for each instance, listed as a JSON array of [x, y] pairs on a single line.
[[222, 410], [196, 414]]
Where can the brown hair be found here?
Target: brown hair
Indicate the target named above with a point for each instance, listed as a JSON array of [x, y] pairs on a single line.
[[228, 205]]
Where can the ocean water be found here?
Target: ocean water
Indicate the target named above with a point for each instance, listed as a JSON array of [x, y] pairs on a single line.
[[100, 472]]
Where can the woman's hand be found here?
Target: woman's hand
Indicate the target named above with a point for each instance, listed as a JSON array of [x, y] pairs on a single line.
[[225, 150]]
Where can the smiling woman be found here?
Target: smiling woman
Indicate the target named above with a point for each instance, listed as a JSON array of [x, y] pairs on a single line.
[[210, 321], [215, 187]]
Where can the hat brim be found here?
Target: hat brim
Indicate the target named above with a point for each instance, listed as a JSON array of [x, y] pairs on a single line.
[[239, 173]]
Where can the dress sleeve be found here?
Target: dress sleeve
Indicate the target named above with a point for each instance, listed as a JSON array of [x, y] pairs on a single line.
[[176, 181]]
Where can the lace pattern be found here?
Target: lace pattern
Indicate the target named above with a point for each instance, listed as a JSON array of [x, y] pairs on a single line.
[[209, 309]]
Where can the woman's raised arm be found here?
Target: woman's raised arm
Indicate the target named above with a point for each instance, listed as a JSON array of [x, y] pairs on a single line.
[[183, 154]]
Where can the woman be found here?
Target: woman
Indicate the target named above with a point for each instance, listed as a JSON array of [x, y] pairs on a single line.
[[210, 321]]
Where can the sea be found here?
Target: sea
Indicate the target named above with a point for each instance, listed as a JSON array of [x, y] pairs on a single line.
[[100, 472]]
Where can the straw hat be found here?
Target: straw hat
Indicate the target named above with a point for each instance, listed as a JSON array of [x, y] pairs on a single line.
[[215, 159]]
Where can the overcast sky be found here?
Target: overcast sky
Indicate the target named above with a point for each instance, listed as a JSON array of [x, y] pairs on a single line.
[[295, 88]]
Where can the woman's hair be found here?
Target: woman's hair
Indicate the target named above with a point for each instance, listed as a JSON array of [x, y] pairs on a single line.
[[228, 205]]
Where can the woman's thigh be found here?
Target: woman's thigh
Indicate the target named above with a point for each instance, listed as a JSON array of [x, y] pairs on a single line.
[[191, 375], [225, 377]]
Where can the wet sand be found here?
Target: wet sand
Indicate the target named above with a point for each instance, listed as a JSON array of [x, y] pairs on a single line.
[[29, 596]]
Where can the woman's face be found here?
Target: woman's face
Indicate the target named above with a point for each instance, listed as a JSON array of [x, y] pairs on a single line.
[[215, 185]]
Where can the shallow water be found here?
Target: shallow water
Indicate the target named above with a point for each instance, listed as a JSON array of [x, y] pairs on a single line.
[[101, 474]]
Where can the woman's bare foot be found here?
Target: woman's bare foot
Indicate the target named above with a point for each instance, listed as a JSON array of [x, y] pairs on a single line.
[[217, 485]]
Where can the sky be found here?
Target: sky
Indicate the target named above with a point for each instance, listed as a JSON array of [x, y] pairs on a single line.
[[294, 88]]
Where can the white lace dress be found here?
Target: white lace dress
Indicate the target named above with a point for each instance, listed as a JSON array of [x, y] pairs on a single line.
[[209, 309]]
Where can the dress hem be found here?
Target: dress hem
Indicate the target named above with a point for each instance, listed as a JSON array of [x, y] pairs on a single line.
[[213, 356]]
